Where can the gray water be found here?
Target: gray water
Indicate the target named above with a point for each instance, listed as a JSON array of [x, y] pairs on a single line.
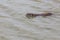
[[14, 25]]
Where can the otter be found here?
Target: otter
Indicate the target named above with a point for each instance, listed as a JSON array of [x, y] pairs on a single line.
[[29, 15]]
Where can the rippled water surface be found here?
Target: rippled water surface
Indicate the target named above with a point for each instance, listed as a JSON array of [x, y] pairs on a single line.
[[14, 25]]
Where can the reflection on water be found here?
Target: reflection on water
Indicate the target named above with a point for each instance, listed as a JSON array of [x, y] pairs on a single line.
[[14, 25]]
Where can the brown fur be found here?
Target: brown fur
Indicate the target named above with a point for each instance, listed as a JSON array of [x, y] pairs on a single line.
[[34, 15]]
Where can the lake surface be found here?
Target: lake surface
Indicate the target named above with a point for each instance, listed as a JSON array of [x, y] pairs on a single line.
[[14, 25]]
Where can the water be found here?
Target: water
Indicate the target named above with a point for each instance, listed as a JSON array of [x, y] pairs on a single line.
[[14, 25]]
